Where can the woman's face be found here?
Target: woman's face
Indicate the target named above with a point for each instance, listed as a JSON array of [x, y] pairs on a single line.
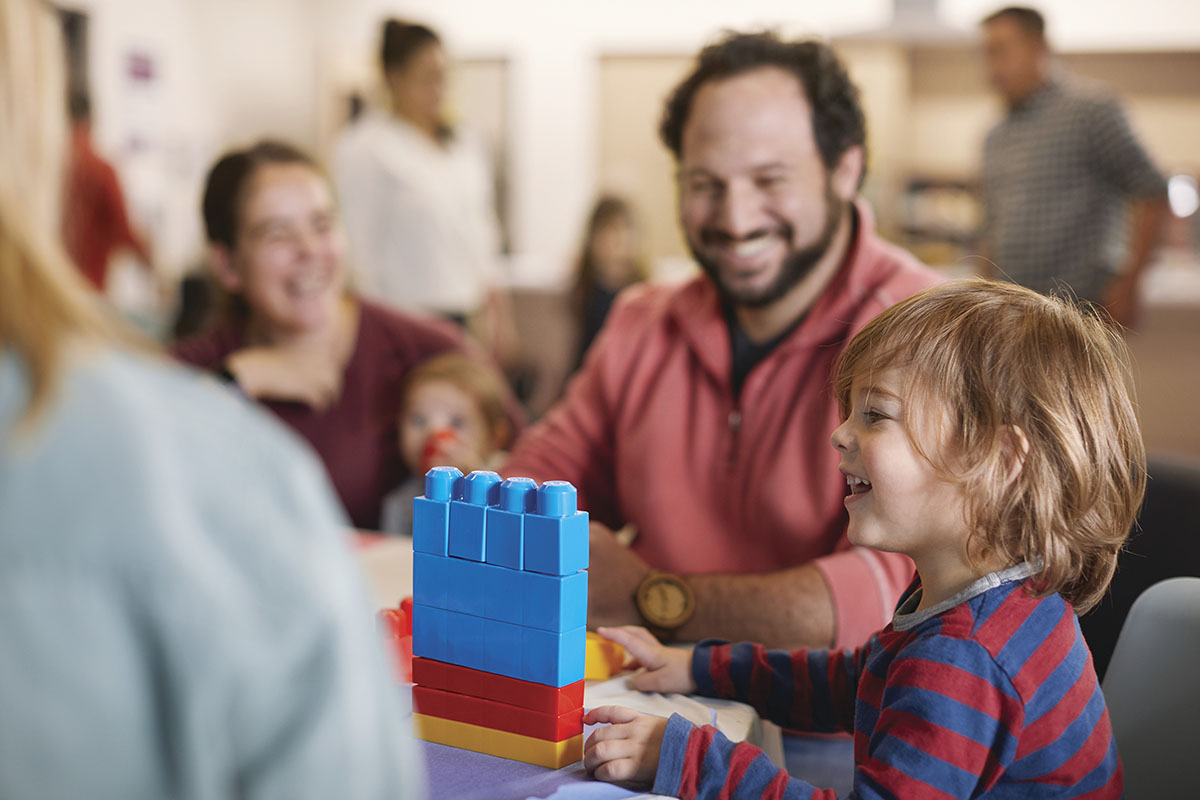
[[614, 252], [419, 87], [289, 259]]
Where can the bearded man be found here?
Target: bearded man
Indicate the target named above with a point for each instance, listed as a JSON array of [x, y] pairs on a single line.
[[703, 411]]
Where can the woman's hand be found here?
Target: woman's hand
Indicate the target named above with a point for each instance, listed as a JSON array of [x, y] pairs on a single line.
[[312, 376], [667, 669], [626, 750]]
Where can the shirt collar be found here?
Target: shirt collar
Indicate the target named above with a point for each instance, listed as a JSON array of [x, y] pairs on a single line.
[[907, 617]]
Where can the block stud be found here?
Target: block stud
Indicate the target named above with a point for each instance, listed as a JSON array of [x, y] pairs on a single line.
[[556, 499], [481, 488], [519, 495], [439, 483]]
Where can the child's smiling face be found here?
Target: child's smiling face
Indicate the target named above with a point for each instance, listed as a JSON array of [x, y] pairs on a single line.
[[898, 502]]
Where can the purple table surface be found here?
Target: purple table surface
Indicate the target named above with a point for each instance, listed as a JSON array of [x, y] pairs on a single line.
[[455, 774]]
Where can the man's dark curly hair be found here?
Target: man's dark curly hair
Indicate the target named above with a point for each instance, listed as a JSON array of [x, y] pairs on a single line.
[[838, 122]]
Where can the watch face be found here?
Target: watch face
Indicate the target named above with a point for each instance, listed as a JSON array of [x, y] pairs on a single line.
[[665, 601]]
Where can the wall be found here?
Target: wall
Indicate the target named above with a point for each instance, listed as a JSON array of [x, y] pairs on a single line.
[[234, 70]]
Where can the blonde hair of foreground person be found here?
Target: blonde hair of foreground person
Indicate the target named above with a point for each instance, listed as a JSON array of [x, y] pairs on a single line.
[[45, 307]]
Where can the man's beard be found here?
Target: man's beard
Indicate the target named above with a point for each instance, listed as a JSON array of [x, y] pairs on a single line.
[[797, 264]]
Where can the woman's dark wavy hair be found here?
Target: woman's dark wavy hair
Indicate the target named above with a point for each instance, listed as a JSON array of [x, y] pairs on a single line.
[[401, 41], [838, 122]]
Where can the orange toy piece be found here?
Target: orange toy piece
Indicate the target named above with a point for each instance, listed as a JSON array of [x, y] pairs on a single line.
[[603, 659], [553, 755], [397, 630]]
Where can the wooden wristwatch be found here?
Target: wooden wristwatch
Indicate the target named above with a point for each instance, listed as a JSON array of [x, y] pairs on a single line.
[[666, 603]]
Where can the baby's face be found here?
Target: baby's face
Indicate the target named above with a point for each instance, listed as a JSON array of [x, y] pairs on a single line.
[[898, 501], [442, 425]]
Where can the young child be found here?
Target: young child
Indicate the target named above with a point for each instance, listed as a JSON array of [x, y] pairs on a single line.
[[451, 414], [988, 434]]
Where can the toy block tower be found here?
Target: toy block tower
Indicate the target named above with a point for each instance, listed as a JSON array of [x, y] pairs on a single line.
[[499, 606]]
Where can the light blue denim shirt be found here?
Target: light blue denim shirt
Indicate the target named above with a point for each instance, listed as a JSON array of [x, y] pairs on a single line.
[[180, 613]]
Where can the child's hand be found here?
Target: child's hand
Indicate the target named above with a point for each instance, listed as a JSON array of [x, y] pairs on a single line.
[[627, 750], [668, 669]]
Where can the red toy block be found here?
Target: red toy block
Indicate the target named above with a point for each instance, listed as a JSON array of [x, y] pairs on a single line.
[[497, 716], [499, 688]]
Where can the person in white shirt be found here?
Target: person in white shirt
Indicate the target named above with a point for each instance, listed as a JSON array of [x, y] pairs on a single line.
[[417, 195]]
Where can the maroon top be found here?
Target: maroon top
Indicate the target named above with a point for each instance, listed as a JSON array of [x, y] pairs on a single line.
[[356, 436]]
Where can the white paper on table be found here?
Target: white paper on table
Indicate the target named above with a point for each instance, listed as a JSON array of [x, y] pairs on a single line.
[[737, 721]]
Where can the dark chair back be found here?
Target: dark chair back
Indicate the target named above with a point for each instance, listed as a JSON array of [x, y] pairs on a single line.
[[1165, 544]]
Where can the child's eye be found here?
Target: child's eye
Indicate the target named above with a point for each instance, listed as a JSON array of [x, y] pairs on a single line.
[[871, 415], [416, 420], [458, 423]]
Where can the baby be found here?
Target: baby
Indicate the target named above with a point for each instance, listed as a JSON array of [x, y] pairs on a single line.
[[989, 434], [451, 414]]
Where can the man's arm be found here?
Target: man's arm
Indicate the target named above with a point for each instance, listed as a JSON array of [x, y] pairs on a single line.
[[1120, 158], [1146, 218], [787, 608], [727, 606]]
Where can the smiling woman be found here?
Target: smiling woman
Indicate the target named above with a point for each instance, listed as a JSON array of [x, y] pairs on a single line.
[[292, 335]]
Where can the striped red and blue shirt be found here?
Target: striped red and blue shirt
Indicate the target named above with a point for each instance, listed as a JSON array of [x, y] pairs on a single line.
[[991, 693]]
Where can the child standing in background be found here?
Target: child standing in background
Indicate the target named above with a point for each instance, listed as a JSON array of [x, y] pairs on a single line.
[[989, 434], [452, 413]]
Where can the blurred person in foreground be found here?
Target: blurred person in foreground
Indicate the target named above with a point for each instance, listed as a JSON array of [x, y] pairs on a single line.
[[1059, 172], [180, 612], [294, 337], [702, 411], [418, 197]]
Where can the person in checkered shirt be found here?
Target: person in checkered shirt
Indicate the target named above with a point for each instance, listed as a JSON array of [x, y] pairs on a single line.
[[1072, 201]]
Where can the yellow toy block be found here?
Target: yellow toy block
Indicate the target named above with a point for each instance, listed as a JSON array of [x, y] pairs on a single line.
[[603, 658], [499, 743]]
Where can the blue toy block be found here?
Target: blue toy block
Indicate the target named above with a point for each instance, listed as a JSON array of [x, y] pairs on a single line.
[[429, 632], [430, 580], [504, 590], [556, 537], [554, 659], [553, 603], [464, 640], [502, 648], [505, 525], [431, 513], [468, 520]]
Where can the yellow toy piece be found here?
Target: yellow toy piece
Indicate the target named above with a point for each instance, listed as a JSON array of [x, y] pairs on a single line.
[[489, 741], [603, 658]]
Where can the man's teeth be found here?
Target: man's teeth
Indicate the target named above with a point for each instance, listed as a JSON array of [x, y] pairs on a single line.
[[751, 248], [311, 284], [854, 480]]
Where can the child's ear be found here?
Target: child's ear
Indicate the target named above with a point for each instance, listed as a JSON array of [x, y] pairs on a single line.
[[1014, 447], [221, 259]]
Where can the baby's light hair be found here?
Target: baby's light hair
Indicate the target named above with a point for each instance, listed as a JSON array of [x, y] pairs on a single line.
[[478, 380], [984, 363]]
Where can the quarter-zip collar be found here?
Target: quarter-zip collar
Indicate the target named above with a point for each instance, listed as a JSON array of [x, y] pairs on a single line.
[[696, 309]]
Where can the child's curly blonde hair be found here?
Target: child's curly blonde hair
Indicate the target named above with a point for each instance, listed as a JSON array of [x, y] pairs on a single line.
[[1038, 426]]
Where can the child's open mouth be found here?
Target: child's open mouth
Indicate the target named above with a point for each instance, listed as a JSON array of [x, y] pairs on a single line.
[[858, 485]]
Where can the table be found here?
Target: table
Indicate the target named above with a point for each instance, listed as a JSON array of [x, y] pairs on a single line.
[[464, 775]]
